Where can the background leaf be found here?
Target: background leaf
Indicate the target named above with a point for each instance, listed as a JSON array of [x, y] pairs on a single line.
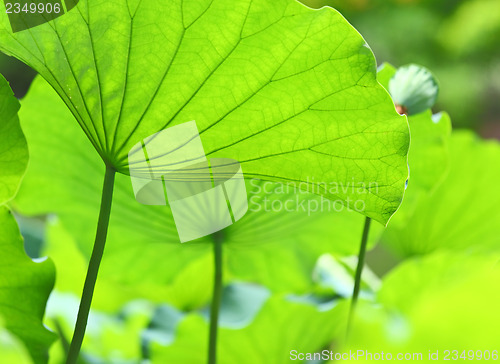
[[428, 160], [24, 285], [24, 289], [440, 301], [461, 213], [268, 339], [13, 149]]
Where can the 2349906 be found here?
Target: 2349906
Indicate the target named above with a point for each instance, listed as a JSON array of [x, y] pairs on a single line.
[[33, 8], [470, 355]]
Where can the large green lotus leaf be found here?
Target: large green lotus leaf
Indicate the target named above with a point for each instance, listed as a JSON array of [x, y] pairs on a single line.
[[25, 286], [462, 212], [289, 92], [275, 248], [443, 301], [13, 149], [278, 328]]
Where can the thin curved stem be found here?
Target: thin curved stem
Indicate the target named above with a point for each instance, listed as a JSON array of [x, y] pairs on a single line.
[[216, 299], [359, 271], [95, 260]]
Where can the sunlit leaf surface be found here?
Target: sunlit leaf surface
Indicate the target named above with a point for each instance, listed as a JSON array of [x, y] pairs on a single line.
[[289, 92]]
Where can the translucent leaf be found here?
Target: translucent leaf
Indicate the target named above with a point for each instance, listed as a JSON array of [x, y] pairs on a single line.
[[13, 149], [462, 212], [288, 91], [24, 289]]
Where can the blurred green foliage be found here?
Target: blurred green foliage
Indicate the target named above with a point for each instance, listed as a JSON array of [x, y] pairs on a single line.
[[457, 40]]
